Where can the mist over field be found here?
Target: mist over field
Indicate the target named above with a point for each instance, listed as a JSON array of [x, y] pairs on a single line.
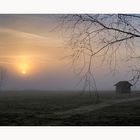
[[69, 70], [33, 54]]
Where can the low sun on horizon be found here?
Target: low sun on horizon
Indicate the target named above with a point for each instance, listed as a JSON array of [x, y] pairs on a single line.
[[24, 67]]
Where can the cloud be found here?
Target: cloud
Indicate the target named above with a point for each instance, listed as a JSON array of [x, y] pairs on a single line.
[[16, 33]]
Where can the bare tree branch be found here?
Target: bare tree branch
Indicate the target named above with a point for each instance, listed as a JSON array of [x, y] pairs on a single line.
[[100, 35]]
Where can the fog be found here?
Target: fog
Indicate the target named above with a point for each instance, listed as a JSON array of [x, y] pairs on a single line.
[[30, 40]]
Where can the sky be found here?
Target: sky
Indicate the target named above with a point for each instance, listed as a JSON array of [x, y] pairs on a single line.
[[33, 53]]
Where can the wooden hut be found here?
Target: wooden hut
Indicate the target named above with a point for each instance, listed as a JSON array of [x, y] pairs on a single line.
[[123, 87]]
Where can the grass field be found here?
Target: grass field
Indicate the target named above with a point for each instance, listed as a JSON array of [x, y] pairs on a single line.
[[63, 108]]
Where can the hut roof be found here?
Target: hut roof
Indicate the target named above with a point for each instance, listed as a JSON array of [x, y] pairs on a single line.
[[123, 83]]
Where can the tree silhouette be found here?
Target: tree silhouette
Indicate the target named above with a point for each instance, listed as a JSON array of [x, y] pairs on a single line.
[[2, 76], [101, 35]]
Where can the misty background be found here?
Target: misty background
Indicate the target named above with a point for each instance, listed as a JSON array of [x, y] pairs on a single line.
[[32, 39]]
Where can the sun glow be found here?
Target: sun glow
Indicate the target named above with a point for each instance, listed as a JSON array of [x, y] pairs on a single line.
[[27, 64], [24, 67], [23, 64]]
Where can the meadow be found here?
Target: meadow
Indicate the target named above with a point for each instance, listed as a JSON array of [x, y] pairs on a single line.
[[68, 108]]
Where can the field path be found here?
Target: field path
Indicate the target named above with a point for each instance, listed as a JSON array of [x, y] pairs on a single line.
[[89, 108]]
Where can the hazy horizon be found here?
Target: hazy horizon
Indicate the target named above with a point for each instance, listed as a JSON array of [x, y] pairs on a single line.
[[33, 54]]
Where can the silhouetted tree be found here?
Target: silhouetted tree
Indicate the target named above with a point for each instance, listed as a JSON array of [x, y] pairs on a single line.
[[101, 35], [2, 76]]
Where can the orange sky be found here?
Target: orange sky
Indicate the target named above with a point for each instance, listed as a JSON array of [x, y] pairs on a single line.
[[31, 51]]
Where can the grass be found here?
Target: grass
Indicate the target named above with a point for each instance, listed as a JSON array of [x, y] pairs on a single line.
[[38, 108], [124, 114]]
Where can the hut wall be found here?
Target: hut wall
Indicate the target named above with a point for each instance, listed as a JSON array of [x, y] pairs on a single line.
[[120, 89]]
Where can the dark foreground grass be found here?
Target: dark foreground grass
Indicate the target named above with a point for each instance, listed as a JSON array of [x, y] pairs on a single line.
[[124, 114], [31, 108], [22, 108]]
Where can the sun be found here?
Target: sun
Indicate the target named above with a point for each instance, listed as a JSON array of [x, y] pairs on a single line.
[[24, 72], [24, 67]]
